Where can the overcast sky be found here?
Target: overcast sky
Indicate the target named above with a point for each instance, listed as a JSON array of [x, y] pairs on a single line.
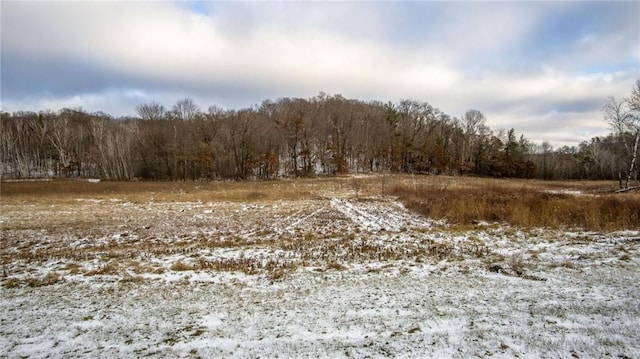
[[543, 68]]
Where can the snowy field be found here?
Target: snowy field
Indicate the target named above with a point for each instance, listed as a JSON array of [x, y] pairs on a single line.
[[333, 275]]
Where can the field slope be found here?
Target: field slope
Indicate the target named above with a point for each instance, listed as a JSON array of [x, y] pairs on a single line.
[[304, 268]]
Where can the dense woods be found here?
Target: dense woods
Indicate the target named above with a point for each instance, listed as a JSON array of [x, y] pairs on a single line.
[[294, 137]]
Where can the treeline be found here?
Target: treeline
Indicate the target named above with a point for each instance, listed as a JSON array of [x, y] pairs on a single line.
[[601, 158], [290, 137]]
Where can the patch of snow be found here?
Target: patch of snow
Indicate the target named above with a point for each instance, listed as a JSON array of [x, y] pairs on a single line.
[[564, 191], [374, 215]]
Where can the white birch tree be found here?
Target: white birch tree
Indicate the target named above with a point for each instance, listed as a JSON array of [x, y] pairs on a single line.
[[624, 117]]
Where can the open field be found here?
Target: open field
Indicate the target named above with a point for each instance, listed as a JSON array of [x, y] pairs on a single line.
[[336, 267]]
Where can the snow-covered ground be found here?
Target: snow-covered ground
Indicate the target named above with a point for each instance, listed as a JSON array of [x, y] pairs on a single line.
[[334, 276]]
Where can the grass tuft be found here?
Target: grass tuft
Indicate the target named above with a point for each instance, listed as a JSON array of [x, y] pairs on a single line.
[[335, 265], [34, 282], [181, 266]]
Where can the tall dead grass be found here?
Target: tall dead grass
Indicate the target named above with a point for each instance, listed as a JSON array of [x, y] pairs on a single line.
[[522, 205], [458, 199], [142, 192], [58, 191]]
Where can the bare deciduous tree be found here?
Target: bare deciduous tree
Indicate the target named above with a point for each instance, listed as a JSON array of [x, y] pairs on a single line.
[[624, 117], [151, 111], [299, 137], [185, 109]]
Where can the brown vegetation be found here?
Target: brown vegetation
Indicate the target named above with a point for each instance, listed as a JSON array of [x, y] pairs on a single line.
[[114, 228], [161, 191], [294, 137], [465, 200], [524, 203]]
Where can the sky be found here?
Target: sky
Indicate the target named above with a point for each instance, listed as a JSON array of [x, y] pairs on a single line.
[[542, 68]]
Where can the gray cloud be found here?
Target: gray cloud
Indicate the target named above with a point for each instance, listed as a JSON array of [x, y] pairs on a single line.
[[30, 76], [539, 67]]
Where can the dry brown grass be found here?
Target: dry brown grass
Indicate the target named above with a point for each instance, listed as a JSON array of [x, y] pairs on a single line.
[[245, 265], [143, 192], [50, 278], [335, 265], [41, 220], [57, 191], [459, 199], [181, 266], [252, 191], [523, 203]]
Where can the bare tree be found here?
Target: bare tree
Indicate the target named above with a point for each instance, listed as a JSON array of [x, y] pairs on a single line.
[[472, 127], [61, 138], [151, 111], [634, 100], [114, 142], [624, 117], [185, 109], [296, 137]]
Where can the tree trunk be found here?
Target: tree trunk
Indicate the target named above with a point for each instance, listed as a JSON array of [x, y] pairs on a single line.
[[633, 159]]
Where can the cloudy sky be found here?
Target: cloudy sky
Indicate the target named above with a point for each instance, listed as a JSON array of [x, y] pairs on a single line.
[[544, 68]]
